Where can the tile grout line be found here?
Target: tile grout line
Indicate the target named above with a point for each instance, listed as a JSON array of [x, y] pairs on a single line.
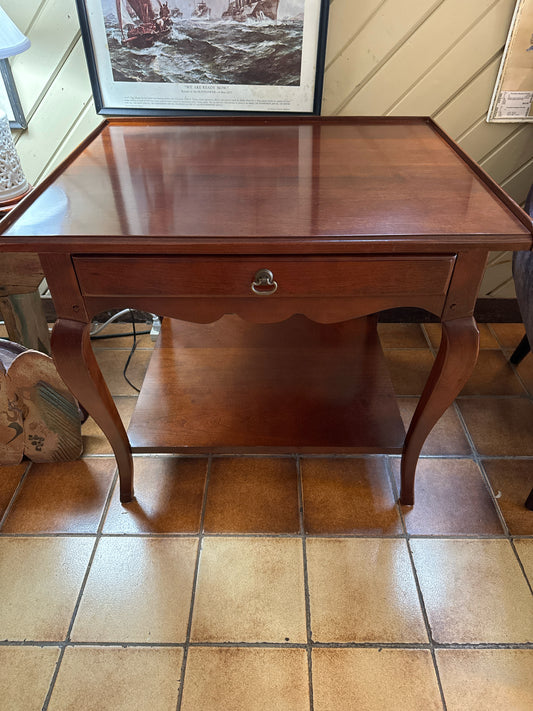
[[508, 535], [66, 641], [521, 565], [421, 601], [274, 645], [307, 596], [14, 496], [426, 622], [280, 536], [428, 339], [404, 645], [187, 642], [307, 455], [478, 460], [507, 358], [530, 396], [309, 646]]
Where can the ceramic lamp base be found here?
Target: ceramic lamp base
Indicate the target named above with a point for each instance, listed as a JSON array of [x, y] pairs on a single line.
[[7, 205], [13, 183]]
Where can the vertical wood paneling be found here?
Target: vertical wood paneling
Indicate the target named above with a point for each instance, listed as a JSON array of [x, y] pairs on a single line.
[[497, 280], [346, 20], [52, 33], [52, 82], [481, 137], [519, 182], [55, 115], [84, 124], [23, 12], [405, 83], [415, 57], [464, 109], [455, 66], [383, 34], [517, 148]]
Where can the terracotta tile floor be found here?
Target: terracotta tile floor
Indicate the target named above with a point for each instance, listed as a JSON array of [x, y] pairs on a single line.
[[281, 583]]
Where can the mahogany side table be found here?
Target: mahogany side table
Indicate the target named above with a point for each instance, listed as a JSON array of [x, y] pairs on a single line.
[[303, 228]]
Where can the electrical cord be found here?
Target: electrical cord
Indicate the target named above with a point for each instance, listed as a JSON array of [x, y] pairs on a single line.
[[119, 335], [133, 347], [114, 317], [95, 337]]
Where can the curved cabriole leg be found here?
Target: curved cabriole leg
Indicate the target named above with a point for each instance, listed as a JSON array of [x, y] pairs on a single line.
[[77, 366], [454, 363]]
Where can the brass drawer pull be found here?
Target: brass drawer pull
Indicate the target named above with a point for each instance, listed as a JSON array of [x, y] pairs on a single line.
[[263, 283]]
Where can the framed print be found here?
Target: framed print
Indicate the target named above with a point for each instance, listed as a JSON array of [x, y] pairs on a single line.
[[9, 98], [512, 100], [157, 57]]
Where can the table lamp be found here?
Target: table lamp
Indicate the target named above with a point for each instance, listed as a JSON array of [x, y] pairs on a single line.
[[13, 183]]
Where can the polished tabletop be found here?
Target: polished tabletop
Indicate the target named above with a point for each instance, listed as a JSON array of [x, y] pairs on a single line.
[[262, 180]]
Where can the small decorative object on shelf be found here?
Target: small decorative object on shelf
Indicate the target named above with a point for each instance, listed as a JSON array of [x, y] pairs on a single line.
[[13, 183]]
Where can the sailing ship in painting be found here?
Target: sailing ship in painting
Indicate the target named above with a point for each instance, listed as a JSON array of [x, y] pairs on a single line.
[[242, 10], [202, 11], [205, 42], [143, 22], [146, 25]]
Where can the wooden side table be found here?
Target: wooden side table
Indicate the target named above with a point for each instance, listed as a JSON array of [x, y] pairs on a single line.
[[297, 226]]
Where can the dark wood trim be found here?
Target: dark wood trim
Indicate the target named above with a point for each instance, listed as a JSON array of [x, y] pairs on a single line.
[[486, 311]]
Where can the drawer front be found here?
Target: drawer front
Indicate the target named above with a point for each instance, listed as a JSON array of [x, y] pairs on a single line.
[[246, 277]]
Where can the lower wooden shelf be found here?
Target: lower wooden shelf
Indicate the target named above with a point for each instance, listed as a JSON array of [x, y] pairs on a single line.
[[296, 386]]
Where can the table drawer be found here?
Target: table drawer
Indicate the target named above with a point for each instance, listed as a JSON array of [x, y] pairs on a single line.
[[291, 276]]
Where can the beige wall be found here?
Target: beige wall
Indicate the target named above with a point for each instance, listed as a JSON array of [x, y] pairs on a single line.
[[425, 57]]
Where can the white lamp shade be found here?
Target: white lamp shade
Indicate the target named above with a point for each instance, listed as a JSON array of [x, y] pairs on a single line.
[[12, 41]]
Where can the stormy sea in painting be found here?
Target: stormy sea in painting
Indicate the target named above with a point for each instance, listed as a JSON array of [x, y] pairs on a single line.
[[216, 51]]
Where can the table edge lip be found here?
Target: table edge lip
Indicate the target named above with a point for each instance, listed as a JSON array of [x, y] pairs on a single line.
[[518, 213], [231, 246]]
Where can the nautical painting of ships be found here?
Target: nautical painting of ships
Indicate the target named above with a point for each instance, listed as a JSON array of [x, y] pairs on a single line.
[[242, 10], [207, 42], [140, 24]]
